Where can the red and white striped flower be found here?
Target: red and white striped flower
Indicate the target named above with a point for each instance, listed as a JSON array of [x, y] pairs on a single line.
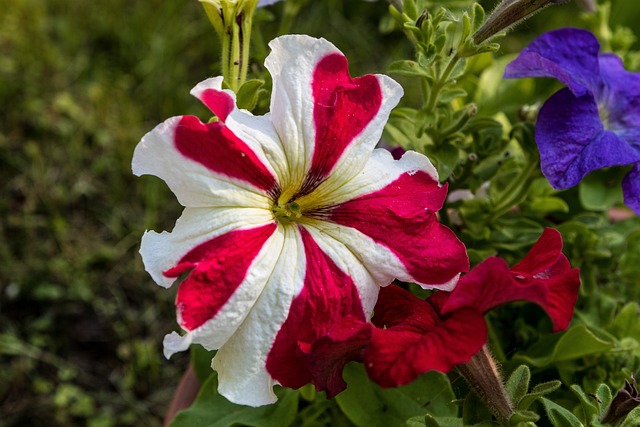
[[292, 220]]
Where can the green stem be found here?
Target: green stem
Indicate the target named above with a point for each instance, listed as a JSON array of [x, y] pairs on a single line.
[[440, 83], [514, 191], [235, 51]]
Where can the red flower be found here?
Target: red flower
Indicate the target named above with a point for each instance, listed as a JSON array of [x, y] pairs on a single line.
[[410, 336]]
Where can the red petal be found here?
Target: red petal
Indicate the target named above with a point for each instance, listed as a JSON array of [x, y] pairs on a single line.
[[417, 340], [544, 277], [328, 295], [544, 254], [219, 267], [398, 357], [343, 107], [401, 216], [217, 148], [326, 358]]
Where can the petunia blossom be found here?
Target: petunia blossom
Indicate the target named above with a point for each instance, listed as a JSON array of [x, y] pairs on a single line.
[[594, 122], [292, 220], [410, 336]]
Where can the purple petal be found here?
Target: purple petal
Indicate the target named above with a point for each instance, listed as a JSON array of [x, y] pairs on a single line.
[[620, 96], [631, 189], [573, 142], [266, 2], [569, 54]]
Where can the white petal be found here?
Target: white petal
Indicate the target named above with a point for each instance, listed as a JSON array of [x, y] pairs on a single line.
[[380, 170], [292, 63], [162, 251], [369, 264], [242, 375]]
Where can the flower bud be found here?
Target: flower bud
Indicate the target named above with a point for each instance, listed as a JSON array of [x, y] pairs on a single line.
[[509, 13], [627, 399]]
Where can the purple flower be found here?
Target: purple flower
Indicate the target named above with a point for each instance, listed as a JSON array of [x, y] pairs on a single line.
[[594, 122]]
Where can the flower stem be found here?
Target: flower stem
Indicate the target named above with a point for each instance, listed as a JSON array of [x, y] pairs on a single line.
[[484, 378], [440, 83], [232, 21]]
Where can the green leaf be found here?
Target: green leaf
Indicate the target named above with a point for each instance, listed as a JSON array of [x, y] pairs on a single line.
[[537, 392], [575, 343], [431, 421], [448, 95], [559, 416], [601, 189], [604, 398], [213, 410], [626, 324], [477, 15], [410, 9], [201, 362], [428, 421], [632, 419], [368, 405], [407, 68], [474, 410], [630, 259], [445, 158], [523, 417], [248, 94], [589, 405], [518, 384]]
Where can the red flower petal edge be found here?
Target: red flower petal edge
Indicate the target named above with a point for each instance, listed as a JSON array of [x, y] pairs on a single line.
[[417, 339], [543, 277], [409, 336]]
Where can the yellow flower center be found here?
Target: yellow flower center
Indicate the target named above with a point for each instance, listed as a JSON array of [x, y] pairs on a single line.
[[290, 207]]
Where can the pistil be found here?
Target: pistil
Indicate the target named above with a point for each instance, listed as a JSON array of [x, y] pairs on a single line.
[[286, 212]]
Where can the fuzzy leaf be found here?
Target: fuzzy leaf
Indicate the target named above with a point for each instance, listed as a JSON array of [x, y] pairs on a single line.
[[407, 68], [559, 416], [589, 404], [518, 383], [633, 419], [537, 392], [449, 95]]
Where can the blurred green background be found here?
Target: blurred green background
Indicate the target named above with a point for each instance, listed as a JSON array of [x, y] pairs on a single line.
[[81, 323]]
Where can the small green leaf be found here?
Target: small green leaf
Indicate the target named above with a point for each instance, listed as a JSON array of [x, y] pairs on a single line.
[[444, 157], [632, 419], [559, 416], [418, 421], [407, 68], [431, 421], [588, 403], [201, 362], [248, 94], [576, 342], [449, 95], [518, 384], [537, 392], [213, 410], [604, 398], [410, 9], [477, 15], [601, 189], [523, 417]]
